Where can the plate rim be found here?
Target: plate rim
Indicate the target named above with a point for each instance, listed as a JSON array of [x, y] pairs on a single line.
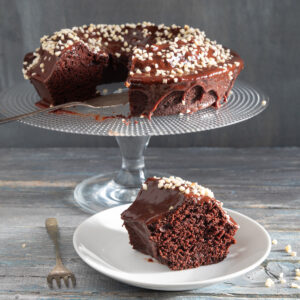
[[162, 286]]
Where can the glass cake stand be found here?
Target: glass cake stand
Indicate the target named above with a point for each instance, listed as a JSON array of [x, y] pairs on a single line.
[[107, 190]]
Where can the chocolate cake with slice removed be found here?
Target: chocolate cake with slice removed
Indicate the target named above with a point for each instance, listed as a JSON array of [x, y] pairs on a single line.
[[167, 69], [179, 223]]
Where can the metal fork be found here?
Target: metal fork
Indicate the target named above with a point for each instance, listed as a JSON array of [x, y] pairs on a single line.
[[95, 103], [59, 271]]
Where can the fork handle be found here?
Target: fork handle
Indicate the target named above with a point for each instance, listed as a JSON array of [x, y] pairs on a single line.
[[33, 113], [52, 229]]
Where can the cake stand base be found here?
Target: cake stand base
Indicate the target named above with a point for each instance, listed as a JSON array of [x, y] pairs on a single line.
[[101, 192], [111, 189]]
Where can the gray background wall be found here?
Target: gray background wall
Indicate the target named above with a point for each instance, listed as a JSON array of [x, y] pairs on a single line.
[[266, 33]]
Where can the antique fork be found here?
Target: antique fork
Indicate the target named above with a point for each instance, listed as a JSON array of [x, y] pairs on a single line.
[[59, 271], [110, 100]]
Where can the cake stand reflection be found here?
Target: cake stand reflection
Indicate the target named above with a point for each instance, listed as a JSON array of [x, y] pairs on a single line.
[[133, 135]]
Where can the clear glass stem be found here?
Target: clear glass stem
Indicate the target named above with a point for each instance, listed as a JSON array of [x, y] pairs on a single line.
[[110, 189], [132, 172]]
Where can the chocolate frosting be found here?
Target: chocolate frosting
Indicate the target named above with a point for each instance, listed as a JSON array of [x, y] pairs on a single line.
[[72, 62]]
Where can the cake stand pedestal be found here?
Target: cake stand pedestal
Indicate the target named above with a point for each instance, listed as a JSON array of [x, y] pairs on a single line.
[[133, 135], [107, 190]]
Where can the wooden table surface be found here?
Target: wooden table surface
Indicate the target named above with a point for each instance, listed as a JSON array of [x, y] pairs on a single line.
[[262, 183]]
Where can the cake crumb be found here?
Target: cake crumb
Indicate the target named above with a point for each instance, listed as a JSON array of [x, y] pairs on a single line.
[[24, 245], [145, 187], [293, 253], [297, 272], [264, 103], [288, 248], [274, 242], [282, 280], [297, 278], [269, 282], [295, 285]]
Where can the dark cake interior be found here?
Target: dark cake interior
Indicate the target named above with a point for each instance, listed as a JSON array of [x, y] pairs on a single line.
[[179, 223], [168, 69]]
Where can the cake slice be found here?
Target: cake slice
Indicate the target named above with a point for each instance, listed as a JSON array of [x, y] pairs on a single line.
[[179, 223]]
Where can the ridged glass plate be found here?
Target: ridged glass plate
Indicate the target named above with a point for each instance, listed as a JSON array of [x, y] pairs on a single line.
[[243, 103]]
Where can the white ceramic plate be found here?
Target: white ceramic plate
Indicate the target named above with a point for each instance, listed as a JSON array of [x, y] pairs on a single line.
[[103, 244]]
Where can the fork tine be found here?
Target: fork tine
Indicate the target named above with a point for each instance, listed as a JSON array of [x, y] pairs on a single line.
[[73, 279], [58, 281], [66, 280], [49, 280]]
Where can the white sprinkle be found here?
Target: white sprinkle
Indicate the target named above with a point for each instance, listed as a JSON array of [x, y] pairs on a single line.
[[269, 282], [288, 248], [165, 81], [282, 280], [181, 188], [145, 187], [295, 285], [166, 186], [147, 69], [160, 185]]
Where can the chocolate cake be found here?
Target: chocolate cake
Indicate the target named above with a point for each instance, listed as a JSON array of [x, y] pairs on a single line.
[[168, 69], [179, 223]]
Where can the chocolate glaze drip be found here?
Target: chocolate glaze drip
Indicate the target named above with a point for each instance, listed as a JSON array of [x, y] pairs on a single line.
[[154, 202], [74, 73]]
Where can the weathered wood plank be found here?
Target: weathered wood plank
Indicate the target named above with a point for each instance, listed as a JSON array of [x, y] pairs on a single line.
[[261, 183]]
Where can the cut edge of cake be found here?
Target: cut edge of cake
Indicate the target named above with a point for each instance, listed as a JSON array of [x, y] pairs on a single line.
[[179, 223]]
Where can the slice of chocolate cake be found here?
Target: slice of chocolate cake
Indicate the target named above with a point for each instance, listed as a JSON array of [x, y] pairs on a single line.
[[179, 223]]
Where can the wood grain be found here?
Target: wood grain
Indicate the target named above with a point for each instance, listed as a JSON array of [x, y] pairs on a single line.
[[262, 183]]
